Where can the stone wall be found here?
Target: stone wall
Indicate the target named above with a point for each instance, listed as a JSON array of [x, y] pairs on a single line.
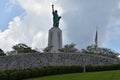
[[36, 60]]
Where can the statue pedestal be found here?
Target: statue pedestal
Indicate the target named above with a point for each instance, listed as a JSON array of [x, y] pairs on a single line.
[[55, 39]]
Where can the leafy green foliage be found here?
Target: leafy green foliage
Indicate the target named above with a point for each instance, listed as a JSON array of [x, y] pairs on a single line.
[[3, 76], [69, 48], [37, 72], [23, 48], [47, 49], [92, 49], [2, 52], [51, 70]]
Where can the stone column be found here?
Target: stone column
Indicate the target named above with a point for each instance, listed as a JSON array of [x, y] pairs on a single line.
[[55, 39]]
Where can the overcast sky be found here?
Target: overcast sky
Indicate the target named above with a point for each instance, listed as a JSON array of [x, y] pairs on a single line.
[[28, 21]]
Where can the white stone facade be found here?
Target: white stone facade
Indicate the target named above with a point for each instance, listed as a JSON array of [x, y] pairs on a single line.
[[55, 39]]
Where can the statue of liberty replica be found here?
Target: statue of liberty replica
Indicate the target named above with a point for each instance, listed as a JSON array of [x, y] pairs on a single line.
[[56, 17], [55, 33]]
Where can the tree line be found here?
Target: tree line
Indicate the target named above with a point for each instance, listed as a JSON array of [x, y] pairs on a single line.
[[70, 48]]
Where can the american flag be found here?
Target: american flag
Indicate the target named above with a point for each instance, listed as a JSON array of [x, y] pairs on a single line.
[[96, 38]]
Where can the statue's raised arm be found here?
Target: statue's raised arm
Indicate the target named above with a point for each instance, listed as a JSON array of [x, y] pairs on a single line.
[[56, 17], [52, 8]]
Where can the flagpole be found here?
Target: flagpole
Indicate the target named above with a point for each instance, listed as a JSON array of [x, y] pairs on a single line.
[[96, 38]]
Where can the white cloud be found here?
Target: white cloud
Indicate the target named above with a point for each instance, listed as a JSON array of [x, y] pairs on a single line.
[[113, 29], [82, 17], [30, 28], [37, 6]]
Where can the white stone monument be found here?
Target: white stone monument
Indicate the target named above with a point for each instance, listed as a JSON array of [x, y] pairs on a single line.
[[55, 34], [55, 39]]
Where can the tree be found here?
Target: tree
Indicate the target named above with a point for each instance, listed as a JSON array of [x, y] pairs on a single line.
[[69, 48], [92, 49], [2, 52], [23, 48], [47, 49]]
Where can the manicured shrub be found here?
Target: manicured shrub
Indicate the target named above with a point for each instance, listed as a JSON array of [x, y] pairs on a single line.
[[35, 72], [90, 68], [116, 67], [99, 68], [26, 73], [102, 68], [76, 69], [41, 71], [20, 74], [52, 70], [13, 76], [3, 76]]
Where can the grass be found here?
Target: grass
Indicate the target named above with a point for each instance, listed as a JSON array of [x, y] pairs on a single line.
[[105, 75]]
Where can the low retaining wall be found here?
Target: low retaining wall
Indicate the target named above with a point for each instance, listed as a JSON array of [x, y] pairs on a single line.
[[37, 60]]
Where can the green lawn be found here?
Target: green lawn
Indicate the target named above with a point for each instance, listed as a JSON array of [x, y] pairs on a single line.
[[106, 75]]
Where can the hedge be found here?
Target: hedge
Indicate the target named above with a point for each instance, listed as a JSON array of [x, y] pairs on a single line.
[[51, 70]]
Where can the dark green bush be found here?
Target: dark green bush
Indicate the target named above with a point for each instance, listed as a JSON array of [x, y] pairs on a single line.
[[51, 70], [23, 74], [102, 68], [13, 76], [76, 69], [90, 68], [35, 72], [116, 67], [99, 68], [3, 76]]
